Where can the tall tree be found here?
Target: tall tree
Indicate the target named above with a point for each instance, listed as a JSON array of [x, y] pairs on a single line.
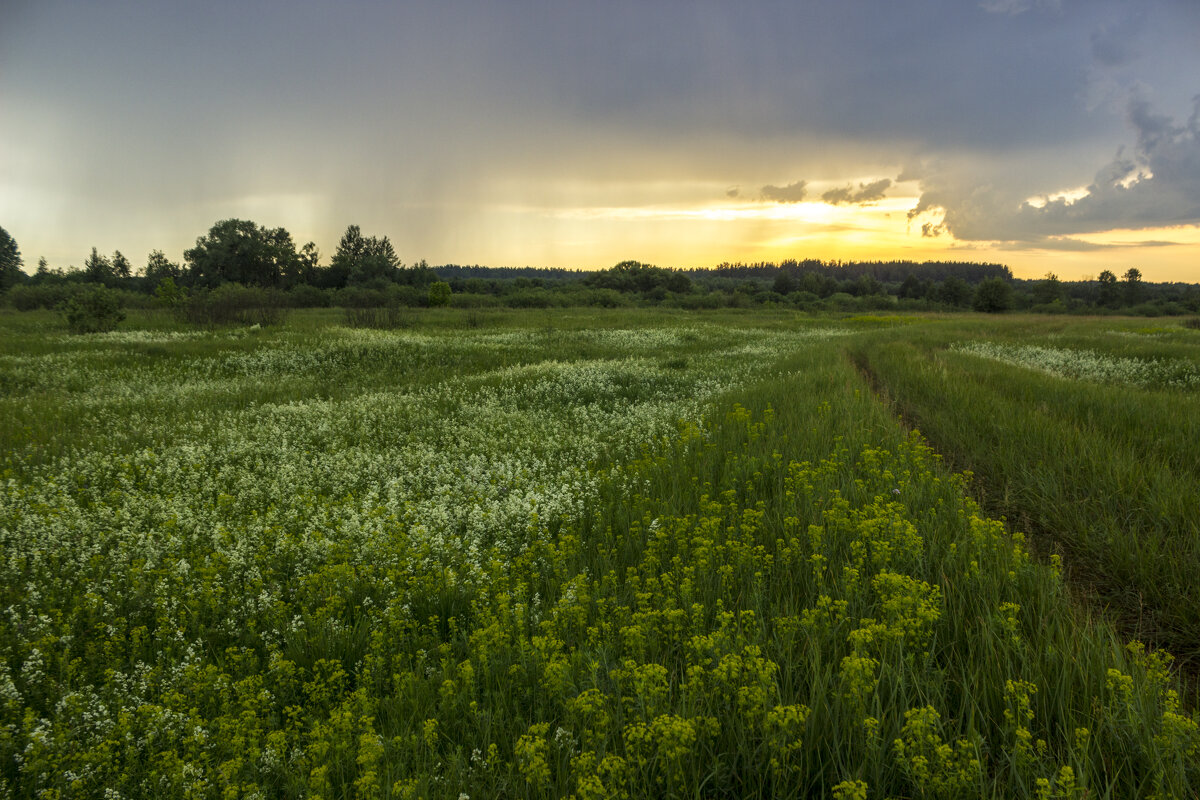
[[784, 283], [240, 251], [911, 288], [121, 267], [97, 268], [1133, 286], [1048, 289], [10, 261], [1108, 295], [159, 267], [992, 296], [363, 259], [310, 258], [954, 292]]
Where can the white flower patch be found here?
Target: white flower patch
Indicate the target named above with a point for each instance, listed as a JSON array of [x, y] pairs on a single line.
[[196, 517], [1089, 365], [124, 337]]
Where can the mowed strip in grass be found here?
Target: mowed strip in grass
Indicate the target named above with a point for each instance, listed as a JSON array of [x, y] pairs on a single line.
[[694, 562]]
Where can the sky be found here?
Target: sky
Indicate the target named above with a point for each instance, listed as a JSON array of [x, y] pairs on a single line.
[[1049, 135]]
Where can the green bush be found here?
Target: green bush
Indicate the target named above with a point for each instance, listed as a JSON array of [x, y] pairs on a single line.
[[473, 300], [31, 298], [529, 298], [992, 296], [306, 296], [233, 303], [168, 294], [710, 300], [439, 294], [93, 310]]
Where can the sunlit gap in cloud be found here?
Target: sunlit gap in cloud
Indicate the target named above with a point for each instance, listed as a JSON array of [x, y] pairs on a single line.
[[882, 214], [1069, 196], [706, 233]]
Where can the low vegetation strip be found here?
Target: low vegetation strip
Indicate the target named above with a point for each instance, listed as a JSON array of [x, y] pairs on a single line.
[[1090, 365], [750, 583]]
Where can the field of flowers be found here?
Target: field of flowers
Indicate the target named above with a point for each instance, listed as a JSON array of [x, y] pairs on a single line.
[[589, 559], [1090, 365]]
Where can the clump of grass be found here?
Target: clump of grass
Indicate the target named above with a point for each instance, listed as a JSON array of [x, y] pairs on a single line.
[[382, 318]]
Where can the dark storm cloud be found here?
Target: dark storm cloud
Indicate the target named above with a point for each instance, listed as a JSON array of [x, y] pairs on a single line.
[[866, 193], [1156, 185], [792, 193], [412, 118]]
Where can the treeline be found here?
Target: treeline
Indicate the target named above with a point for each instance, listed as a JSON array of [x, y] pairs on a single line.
[[885, 271], [238, 267]]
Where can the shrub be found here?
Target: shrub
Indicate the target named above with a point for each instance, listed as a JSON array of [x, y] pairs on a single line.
[[473, 300], [439, 294], [168, 293], [233, 303], [601, 298], [699, 301], [357, 297], [992, 296], [377, 317], [94, 310], [306, 296], [528, 298], [30, 298]]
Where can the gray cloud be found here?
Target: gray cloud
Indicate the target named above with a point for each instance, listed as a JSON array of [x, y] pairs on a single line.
[[792, 193], [1157, 185], [426, 120], [1068, 244], [1014, 7], [1115, 42], [867, 193]]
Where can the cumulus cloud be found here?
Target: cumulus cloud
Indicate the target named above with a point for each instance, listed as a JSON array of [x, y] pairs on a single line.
[[1156, 185], [867, 193], [792, 193]]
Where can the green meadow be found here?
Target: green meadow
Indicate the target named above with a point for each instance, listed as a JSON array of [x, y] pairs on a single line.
[[600, 554]]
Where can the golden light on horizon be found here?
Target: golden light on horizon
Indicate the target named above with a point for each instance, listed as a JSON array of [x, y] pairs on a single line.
[[706, 233]]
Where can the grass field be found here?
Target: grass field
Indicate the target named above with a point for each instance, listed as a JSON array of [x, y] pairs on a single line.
[[600, 554]]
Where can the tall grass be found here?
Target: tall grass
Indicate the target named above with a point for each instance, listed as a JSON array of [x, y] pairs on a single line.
[[1107, 474], [565, 561]]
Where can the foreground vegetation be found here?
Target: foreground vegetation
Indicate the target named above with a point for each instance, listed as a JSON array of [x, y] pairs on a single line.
[[1083, 433], [589, 555]]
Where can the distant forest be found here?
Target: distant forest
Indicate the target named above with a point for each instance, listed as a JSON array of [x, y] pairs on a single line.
[[241, 263]]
